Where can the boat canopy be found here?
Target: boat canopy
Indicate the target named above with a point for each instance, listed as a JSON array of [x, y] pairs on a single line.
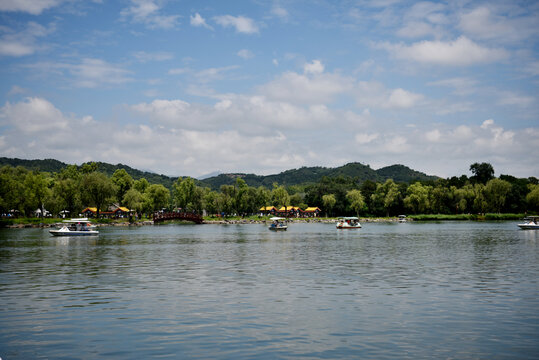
[[349, 218], [76, 221], [275, 218]]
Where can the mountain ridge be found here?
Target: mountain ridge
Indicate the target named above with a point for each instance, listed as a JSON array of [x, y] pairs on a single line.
[[303, 175]]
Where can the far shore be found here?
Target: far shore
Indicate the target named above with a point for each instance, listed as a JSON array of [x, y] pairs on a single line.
[[214, 221], [46, 223]]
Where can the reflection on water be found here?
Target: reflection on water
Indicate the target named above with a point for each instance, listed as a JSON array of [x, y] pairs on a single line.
[[412, 290]]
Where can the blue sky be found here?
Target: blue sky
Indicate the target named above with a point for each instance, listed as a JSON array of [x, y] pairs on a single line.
[[186, 88]]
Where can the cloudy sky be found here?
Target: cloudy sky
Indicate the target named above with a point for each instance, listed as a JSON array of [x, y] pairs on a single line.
[[193, 87]]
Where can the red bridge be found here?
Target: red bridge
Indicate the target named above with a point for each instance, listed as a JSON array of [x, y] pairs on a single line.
[[160, 217]]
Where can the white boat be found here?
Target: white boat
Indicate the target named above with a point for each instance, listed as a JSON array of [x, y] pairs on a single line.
[[75, 227], [278, 223], [530, 222], [350, 222], [402, 218]]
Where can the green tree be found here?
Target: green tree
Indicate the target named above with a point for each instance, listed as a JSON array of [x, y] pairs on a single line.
[[123, 182], [385, 197], [67, 188], [479, 202], [462, 198], [280, 196], [36, 191], [12, 188], [210, 201], [187, 194], [68, 192], [263, 197], [97, 189], [329, 202], [296, 199], [225, 200], [368, 188], [483, 172], [158, 196], [241, 196], [532, 199], [496, 191], [417, 198], [88, 168], [141, 185], [357, 201], [134, 200], [440, 198]]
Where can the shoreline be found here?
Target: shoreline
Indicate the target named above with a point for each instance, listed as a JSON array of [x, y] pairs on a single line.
[[207, 222], [29, 223]]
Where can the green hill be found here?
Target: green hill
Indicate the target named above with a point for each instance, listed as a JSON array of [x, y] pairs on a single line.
[[46, 165], [52, 166], [303, 175], [401, 173]]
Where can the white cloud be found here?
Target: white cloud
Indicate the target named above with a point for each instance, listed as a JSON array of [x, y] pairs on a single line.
[[511, 98], [487, 123], [375, 95], [255, 134], [433, 136], [245, 54], [364, 138], [460, 52], [198, 21], [242, 24], [178, 71], [403, 99], [23, 43], [148, 12], [416, 29], [212, 74], [279, 11], [33, 115], [462, 85], [145, 57], [396, 144], [451, 149], [89, 73], [532, 68], [168, 112], [513, 24], [34, 7], [92, 73], [15, 89], [316, 67], [424, 19], [319, 88]]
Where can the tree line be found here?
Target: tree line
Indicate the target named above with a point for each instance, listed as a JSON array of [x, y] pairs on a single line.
[[74, 188]]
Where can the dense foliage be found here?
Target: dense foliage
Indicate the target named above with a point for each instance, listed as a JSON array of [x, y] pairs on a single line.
[[30, 192]]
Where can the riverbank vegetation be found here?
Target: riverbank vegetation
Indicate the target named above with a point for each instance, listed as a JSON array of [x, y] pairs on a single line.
[[30, 193]]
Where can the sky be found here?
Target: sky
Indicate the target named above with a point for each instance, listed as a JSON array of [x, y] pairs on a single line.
[[189, 88]]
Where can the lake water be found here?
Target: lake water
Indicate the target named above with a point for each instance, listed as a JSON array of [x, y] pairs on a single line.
[[459, 290]]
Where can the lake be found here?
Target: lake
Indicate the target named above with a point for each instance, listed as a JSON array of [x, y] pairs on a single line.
[[461, 290]]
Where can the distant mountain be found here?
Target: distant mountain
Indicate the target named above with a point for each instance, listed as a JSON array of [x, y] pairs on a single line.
[[401, 173], [152, 178], [52, 166], [304, 175], [46, 165], [212, 174], [398, 173]]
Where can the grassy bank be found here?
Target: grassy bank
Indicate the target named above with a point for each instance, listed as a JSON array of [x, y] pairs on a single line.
[[474, 217]]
